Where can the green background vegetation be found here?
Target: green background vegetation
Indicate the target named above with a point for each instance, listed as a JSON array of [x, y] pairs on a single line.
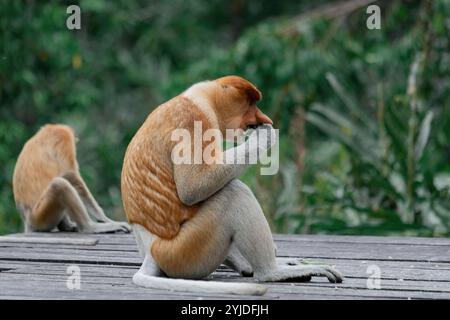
[[364, 115]]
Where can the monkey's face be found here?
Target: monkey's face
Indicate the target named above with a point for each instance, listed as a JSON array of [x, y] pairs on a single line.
[[236, 102]]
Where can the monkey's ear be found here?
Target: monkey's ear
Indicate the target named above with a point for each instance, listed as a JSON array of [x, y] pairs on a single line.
[[246, 87]]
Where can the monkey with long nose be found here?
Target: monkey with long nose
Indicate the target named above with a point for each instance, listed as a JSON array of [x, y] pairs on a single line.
[[188, 218]]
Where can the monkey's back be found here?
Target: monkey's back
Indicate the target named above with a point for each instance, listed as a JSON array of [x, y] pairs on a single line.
[[48, 154], [148, 187]]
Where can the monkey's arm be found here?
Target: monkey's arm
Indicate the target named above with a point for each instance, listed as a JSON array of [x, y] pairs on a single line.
[[197, 182]]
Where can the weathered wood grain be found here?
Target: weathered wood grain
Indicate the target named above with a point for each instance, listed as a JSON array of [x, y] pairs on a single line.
[[33, 267], [52, 240]]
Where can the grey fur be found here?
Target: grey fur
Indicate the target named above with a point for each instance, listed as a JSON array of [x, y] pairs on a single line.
[[244, 238]]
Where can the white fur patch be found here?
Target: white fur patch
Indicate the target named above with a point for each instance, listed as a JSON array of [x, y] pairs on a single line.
[[197, 94], [143, 237]]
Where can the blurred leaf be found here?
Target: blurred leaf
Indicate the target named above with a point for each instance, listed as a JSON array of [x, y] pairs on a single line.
[[424, 135]]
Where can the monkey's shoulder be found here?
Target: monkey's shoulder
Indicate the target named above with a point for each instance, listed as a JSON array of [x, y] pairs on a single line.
[[177, 113]]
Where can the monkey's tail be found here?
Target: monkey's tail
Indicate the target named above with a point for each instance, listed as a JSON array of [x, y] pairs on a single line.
[[197, 286]]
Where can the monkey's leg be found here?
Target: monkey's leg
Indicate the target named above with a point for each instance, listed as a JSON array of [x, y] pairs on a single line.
[[144, 240], [77, 182], [139, 242], [61, 197], [89, 201], [198, 249], [236, 261], [192, 255], [233, 217], [252, 237]]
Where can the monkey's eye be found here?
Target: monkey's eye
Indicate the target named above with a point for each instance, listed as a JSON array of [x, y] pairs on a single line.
[[224, 86]]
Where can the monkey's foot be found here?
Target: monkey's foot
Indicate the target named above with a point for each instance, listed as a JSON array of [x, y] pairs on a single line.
[[236, 261], [67, 226], [125, 226], [107, 227], [301, 273], [72, 228]]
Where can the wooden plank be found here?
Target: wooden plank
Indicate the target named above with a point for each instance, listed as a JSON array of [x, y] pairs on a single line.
[[357, 279], [389, 269], [340, 251], [35, 286], [121, 238], [38, 289], [425, 253], [99, 276], [416, 268], [52, 240], [128, 244], [363, 239]]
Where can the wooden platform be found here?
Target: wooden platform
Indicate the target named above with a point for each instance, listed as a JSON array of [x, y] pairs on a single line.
[[411, 268]]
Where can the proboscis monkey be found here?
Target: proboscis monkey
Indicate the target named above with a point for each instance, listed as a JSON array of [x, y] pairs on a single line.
[[48, 188], [190, 218]]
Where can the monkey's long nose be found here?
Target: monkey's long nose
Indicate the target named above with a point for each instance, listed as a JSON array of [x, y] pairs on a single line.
[[262, 118]]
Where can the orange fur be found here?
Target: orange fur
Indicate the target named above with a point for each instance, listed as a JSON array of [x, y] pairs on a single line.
[[235, 105], [148, 188], [149, 192], [187, 252], [245, 88], [48, 154]]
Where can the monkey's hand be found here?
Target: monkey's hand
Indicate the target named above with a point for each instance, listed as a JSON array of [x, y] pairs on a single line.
[[261, 139]]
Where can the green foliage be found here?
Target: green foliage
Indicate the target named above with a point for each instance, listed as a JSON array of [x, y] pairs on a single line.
[[103, 79], [363, 114], [373, 94]]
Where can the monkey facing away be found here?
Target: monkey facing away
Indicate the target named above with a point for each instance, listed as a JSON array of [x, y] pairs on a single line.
[[48, 188], [190, 218]]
